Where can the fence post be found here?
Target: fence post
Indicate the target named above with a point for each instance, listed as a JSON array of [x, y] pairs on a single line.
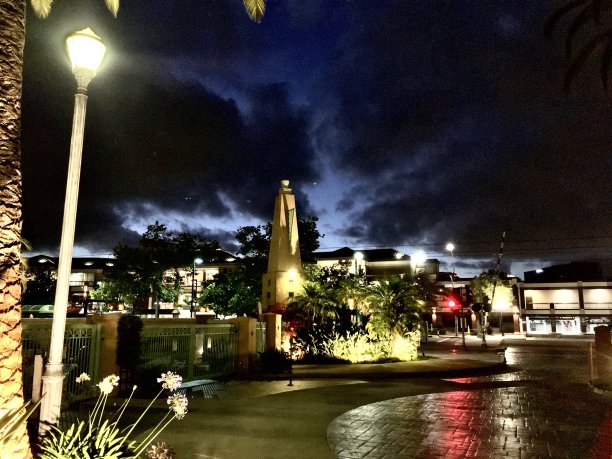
[[273, 330], [108, 343], [37, 378], [191, 350], [247, 343]]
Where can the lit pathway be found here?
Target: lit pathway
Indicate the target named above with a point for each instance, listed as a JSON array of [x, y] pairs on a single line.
[[519, 422]]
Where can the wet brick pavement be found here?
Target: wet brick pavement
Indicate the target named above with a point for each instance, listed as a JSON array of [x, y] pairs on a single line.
[[519, 422]]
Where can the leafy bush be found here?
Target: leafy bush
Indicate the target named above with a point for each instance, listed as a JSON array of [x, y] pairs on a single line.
[[274, 361], [128, 341], [357, 347]]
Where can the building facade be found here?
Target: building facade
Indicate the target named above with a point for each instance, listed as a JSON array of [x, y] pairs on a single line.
[[566, 299], [376, 264], [569, 308]]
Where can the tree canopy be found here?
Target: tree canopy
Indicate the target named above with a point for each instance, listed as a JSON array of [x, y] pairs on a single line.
[[153, 267]]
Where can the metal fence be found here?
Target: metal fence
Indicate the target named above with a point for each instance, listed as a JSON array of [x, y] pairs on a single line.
[[260, 337], [81, 354], [193, 351]]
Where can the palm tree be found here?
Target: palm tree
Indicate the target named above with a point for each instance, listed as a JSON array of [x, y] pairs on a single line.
[[314, 302], [394, 306], [591, 26], [12, 37]]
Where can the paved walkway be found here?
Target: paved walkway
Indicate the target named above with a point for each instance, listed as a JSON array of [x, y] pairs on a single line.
[[452, 405], [518, 422]]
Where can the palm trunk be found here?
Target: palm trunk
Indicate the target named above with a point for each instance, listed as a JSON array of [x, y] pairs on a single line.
[[12, 37]]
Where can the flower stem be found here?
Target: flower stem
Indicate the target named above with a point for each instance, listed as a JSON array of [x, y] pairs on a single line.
[[143, 413], [154, 433], [123, 407]]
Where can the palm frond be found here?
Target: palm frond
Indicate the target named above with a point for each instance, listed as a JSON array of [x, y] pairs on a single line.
[[255, 9], [113, 6], [551, 22], [577, 24], [41, 7], [577, 64], [606, 61], [598, 6]]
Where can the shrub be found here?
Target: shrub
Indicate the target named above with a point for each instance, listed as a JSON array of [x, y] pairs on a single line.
[[356, 347], [274, 361]]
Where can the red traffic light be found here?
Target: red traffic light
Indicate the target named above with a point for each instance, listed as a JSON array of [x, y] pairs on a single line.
[[452, 304]]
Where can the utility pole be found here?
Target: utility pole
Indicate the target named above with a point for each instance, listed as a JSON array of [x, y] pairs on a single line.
[[499, 256]]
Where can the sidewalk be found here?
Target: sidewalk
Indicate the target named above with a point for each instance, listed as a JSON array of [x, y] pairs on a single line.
[[289, 419]]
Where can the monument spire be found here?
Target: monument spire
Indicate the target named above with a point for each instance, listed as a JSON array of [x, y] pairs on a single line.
[[284, 276]]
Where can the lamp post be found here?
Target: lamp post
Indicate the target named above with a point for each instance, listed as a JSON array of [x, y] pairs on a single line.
[[196, 261], [358, 256], [86, 52], [419, 258], [451, 248]]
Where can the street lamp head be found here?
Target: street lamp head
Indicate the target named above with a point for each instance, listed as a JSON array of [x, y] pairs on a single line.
[[419, 258], [358, 256], [86, 52], [198, 261], [450, 246]]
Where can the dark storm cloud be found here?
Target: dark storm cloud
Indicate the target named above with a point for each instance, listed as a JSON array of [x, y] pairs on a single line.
[[438, 121], [155, 144], [456, 128]]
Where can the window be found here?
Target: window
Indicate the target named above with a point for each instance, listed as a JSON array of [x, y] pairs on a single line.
[[290, 294]]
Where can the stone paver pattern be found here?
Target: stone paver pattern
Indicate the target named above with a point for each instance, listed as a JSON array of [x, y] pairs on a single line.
[[518, 422]]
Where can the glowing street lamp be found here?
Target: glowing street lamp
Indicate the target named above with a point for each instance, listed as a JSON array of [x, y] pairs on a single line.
[[196, 261], [86, 52], [358, 256], [418, 259]]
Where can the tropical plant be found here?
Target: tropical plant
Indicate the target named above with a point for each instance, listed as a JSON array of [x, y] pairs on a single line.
[[104, 437], [394, 306], [588, 33], [314, 302], [357, 347], [13, 420], [12, 37]]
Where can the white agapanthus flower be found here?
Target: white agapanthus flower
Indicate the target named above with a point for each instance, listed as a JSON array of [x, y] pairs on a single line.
[[170, 381], [82, 378], [178, 403], [107, 384]]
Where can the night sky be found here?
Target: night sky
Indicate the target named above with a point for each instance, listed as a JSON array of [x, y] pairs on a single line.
[[402, 124]]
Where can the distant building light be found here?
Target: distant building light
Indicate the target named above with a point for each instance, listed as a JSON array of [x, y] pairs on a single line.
[[539, 271], [110, 263], [398, 255], [230, 259], [88, 263]]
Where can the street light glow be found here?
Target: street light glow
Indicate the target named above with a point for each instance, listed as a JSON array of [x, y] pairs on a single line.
[[450, 246], [419, 258], [86, 52]]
